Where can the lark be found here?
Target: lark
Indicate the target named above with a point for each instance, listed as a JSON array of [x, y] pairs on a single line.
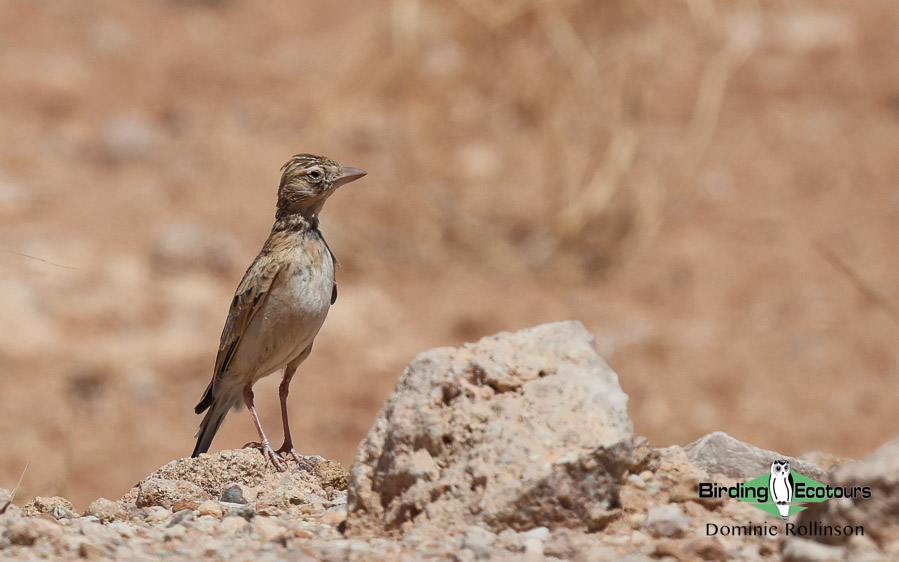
[[280, 304]]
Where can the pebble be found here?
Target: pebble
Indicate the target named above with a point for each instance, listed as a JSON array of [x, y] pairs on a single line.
[[666, 521], [539, 533], [238, 493], [334, 517], [210, 507], [244, 511], [636, 481], [478, 540], [105, 510], [157, 514]]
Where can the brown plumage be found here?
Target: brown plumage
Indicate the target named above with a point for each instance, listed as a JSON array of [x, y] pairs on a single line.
[[280, 304]]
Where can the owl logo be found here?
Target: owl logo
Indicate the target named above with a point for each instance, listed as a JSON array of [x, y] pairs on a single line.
[[781, 487]]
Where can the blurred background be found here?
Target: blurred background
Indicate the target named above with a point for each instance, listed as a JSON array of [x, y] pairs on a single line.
[[710, 187]]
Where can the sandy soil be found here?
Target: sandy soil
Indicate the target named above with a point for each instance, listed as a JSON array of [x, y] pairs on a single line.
[[708, 187]]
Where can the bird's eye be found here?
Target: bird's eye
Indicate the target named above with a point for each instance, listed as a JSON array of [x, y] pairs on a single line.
[[315, 174]]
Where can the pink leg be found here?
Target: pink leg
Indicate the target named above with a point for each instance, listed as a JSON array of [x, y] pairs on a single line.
[[263, 444], [283, 390]]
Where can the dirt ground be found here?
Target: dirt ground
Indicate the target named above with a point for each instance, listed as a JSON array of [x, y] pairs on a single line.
[[710, 187]]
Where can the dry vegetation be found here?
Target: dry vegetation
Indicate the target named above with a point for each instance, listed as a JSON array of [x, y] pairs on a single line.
[[708, 186]]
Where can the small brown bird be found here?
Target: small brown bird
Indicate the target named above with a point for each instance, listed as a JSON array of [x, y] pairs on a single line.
[[280, 304]]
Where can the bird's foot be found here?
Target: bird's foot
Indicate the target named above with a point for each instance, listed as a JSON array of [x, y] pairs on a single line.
[[288, 451], [270, 454]]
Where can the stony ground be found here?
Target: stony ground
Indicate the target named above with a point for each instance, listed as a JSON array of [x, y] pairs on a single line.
[[521, 483], [230, 505]]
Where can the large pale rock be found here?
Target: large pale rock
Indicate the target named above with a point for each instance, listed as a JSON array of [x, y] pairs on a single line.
[[518, 430]]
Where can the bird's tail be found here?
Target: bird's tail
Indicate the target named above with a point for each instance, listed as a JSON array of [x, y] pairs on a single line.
[[211, 423]]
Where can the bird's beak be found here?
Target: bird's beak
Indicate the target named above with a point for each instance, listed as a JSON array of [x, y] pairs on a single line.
[[347, 175]]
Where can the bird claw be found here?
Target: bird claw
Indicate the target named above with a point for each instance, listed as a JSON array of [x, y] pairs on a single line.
[[288, 451], [270, 454]]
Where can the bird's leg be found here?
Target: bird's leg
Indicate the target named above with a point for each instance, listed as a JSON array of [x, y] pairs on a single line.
[[263, 444], [283, 389]]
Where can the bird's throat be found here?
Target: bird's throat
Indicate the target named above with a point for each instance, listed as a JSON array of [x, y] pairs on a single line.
[[295, 222]]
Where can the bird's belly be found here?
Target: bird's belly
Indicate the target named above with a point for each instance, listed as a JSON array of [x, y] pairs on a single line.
[[288, 321]]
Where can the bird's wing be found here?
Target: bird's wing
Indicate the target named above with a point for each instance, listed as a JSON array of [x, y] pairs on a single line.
[[248, 299], [333, 261], [790, 487]]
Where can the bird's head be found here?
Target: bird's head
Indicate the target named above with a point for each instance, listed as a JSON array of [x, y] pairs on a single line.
[[308, 180]]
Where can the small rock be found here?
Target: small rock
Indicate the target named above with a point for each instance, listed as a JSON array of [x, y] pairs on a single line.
[[334, 517], [267, 510], [106, 510], [157, 514], [181, 516], [182, 505], [306, 509], [61, 512], [165, 493], [210, 507], [636, 481], [42, 504], [666, 521], [245, 512], [539, 533], [238, 493], [478, 540]]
